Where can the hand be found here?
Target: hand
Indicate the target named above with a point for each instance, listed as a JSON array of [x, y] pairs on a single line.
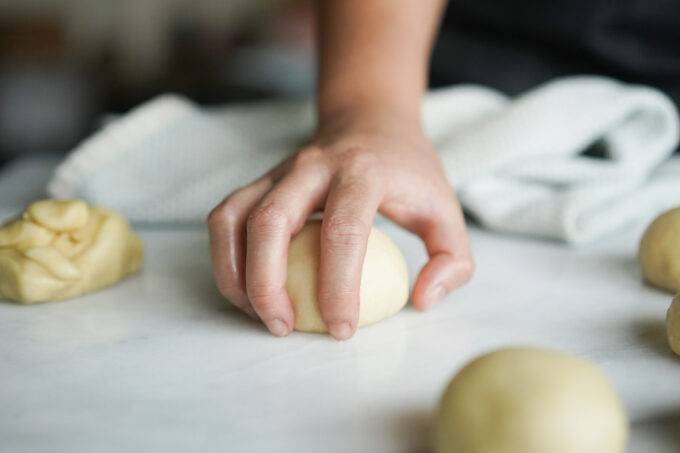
[[356, 165]]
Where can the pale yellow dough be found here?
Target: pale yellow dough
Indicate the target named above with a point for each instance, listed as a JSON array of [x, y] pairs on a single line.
[[659, 252], [59, 249], [525, 400], [673, 325], [384, 279]]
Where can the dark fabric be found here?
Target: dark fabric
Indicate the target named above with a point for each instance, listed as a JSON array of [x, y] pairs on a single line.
[[515, 45]]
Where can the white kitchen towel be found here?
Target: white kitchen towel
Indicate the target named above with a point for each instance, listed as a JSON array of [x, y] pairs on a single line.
[[517, 165]]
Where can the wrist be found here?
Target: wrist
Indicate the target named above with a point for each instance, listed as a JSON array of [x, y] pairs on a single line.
[[368, 116], [343, 98]]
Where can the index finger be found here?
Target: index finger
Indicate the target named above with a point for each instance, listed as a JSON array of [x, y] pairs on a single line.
[[269, 228]]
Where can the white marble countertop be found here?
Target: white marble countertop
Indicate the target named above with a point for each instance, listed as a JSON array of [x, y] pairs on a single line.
[[160, 362]]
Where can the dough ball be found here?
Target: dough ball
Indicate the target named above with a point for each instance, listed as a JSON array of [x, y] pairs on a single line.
[[384, 279], [524, 400], [673, 325], [659, 252], [59, 249]]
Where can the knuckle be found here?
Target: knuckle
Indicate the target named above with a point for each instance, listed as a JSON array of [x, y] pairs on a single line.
[[344, 230], [219, 215], [225, 212], [223, 215], [359, 161], [307, 156], [262, 294], [267, 219]]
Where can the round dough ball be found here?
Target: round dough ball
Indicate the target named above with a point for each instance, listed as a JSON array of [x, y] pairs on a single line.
[[673, 325], [525, 400], [659, 252], [384, 279]]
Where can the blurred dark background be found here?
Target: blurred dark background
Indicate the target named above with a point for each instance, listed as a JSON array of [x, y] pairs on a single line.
[[65, 63]]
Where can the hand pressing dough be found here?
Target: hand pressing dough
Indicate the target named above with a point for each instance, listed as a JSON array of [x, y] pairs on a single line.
[[384, 279], [524, 400], [59, 249], [659, 252], [673, 325]]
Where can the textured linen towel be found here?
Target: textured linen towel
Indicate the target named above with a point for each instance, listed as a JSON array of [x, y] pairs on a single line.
[[517, 165]]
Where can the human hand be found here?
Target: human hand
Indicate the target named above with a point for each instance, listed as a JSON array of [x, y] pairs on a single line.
[[356, 165]]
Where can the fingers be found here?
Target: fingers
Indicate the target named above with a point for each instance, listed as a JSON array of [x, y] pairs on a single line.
[[227, 231], [451, 264], [280, 214], [348, 217]]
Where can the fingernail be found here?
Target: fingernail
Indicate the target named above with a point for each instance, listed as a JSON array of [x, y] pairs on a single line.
[[278, 328], [434, 295], [340, 330]]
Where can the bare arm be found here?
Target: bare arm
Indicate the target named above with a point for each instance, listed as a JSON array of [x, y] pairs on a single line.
[[369, 155], [374, 54]]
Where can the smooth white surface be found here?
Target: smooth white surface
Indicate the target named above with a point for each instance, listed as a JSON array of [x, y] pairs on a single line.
[[161, 363]]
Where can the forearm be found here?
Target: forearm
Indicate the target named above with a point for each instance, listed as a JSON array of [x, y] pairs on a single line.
[[373, 55]]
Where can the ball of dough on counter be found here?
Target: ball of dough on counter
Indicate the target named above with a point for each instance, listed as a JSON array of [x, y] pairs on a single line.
[[525, 400], [659, 252], [384, 279], [59, 249], [673, 325]]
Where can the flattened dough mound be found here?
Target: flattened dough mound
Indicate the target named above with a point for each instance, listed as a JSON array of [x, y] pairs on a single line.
[[59, 249], [384, 279], [525, 400], [673, 325], [659, 252]]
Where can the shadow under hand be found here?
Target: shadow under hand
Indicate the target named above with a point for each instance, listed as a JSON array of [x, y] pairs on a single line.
[[195, 275]]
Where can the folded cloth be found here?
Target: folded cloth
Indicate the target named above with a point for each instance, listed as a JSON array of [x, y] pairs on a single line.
[[518, 165]]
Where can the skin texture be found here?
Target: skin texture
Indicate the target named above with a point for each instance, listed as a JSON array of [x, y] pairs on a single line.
[[384, 279], [526, 400], [59, 249], [659, 252], [673, 325], [369, 155]]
